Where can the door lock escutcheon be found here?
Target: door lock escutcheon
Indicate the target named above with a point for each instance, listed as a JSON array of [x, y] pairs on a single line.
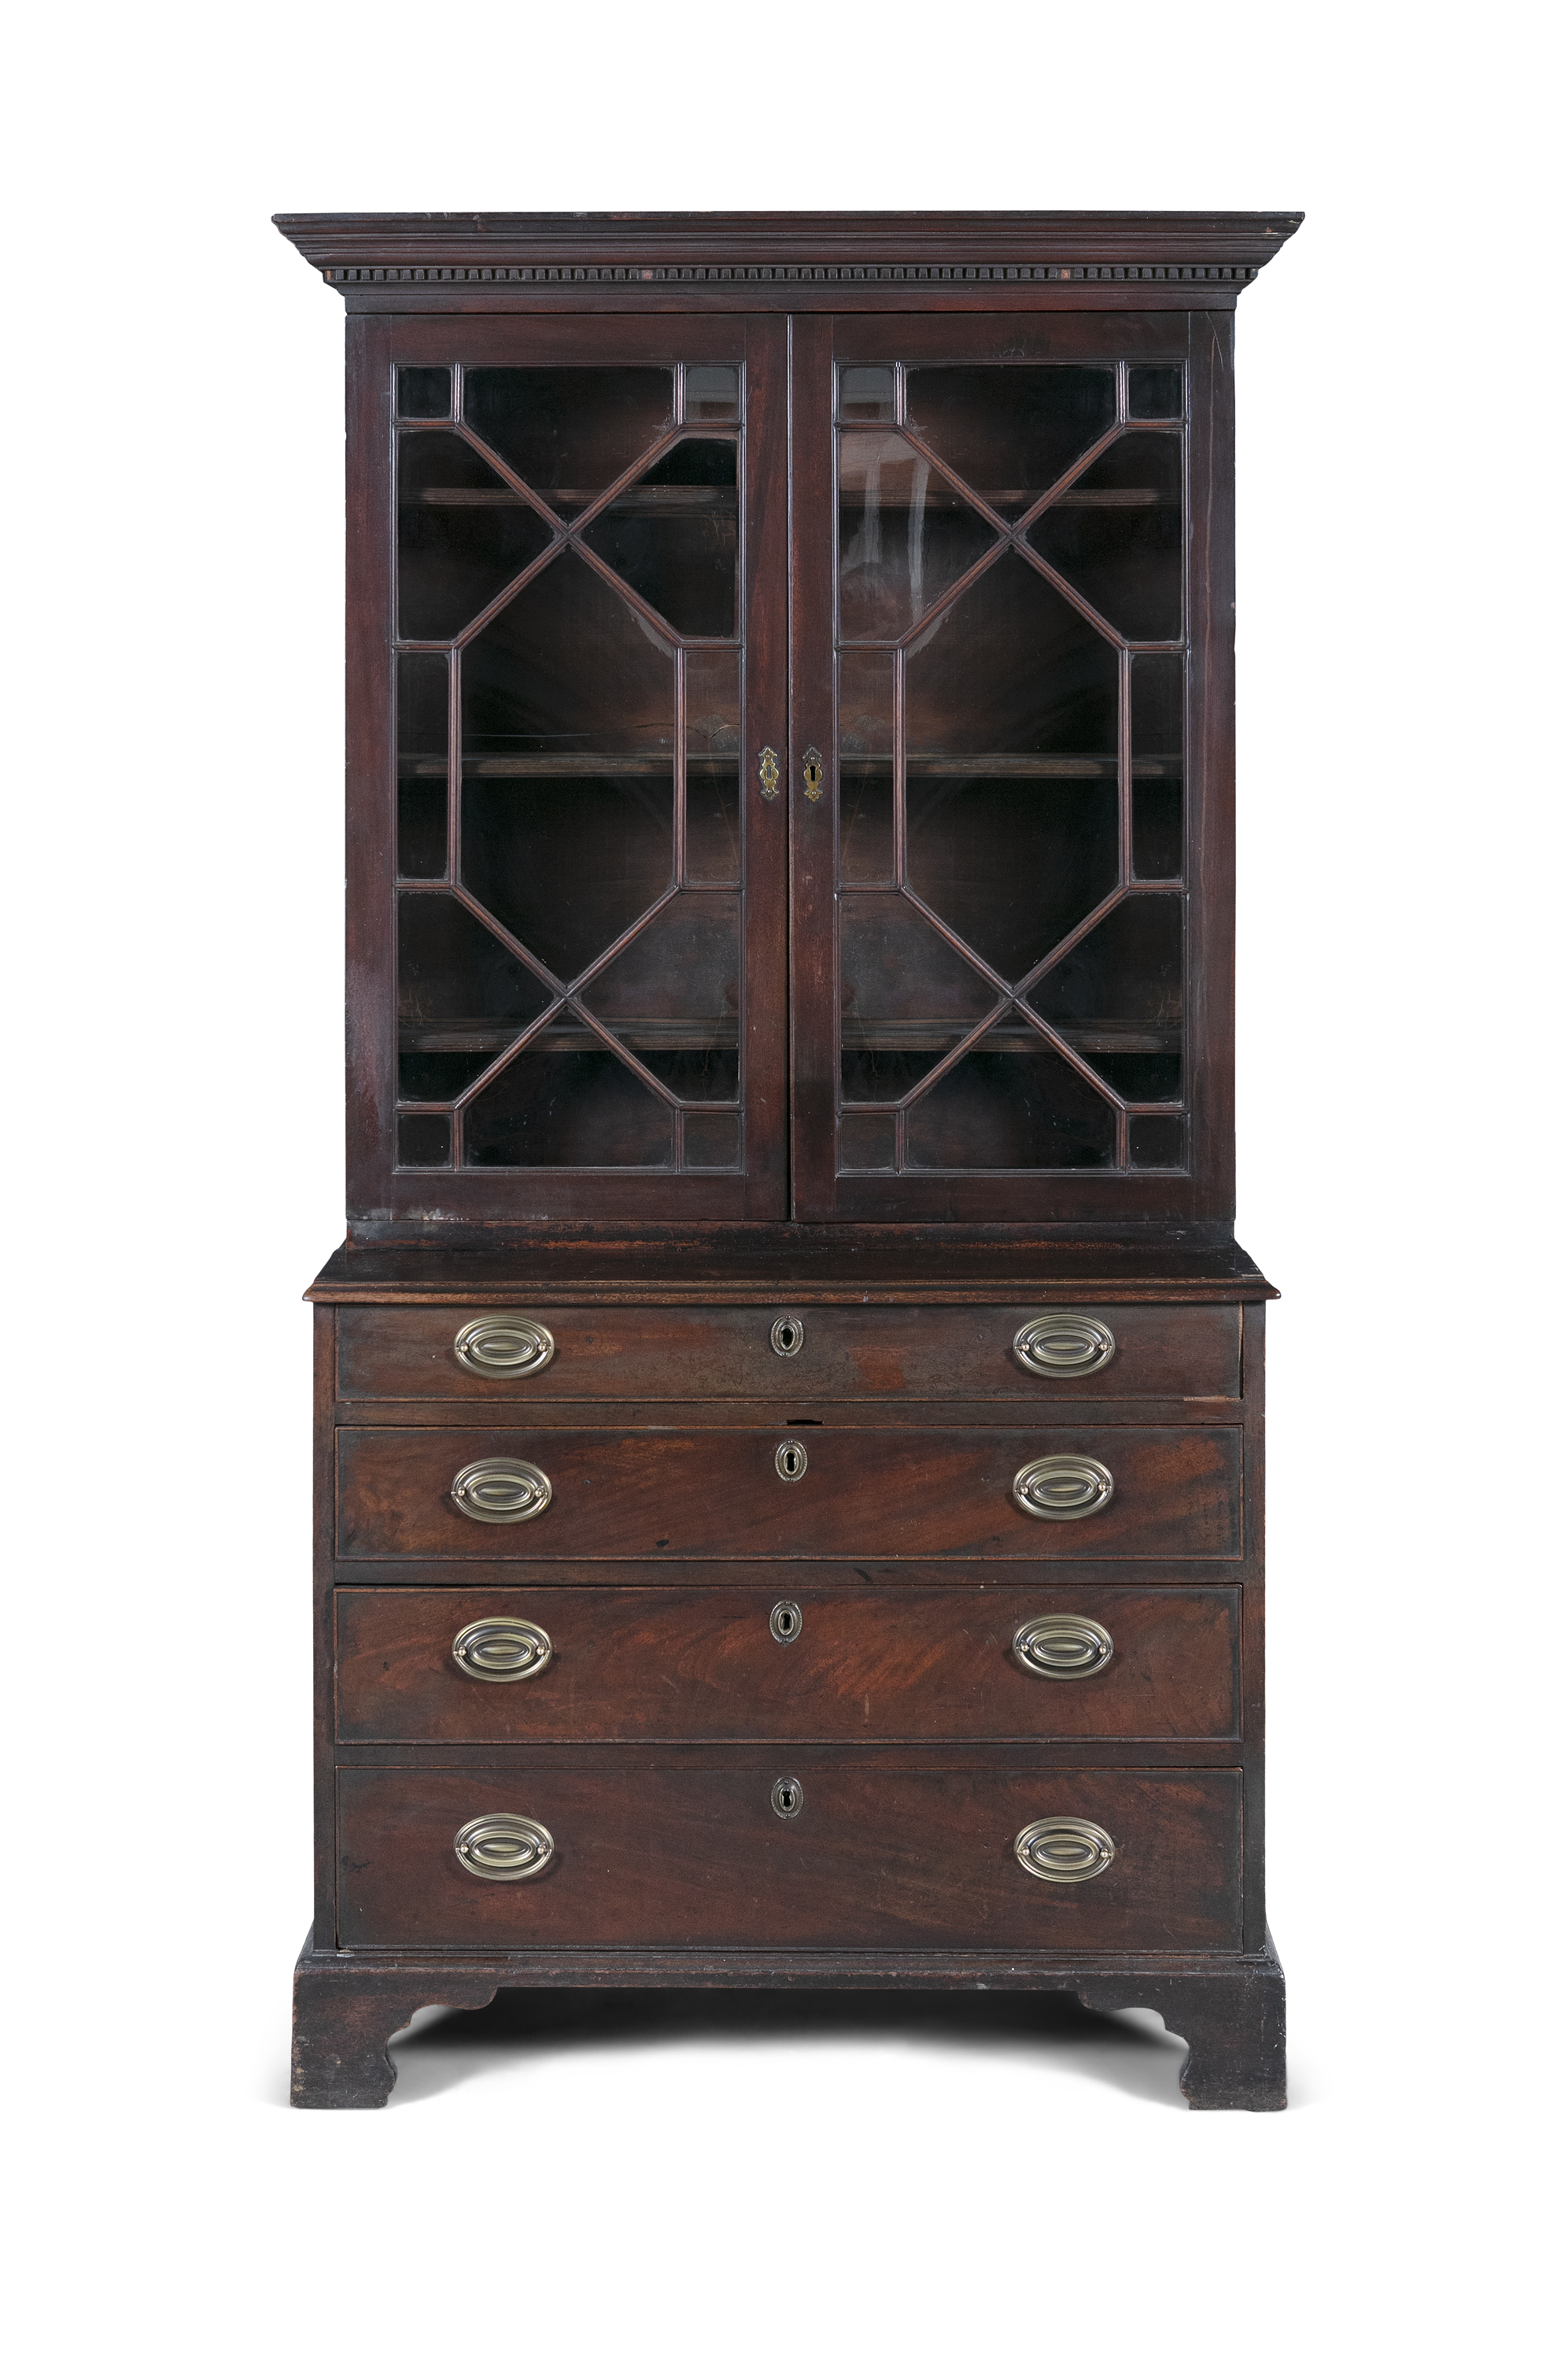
[[811, 772]]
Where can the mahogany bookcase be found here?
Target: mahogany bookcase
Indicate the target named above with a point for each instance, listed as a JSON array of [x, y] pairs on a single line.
[[790, 1402]]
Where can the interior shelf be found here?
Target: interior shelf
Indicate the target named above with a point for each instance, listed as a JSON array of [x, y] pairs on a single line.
[[664, 499], [1108, 1036], [1010, 766]]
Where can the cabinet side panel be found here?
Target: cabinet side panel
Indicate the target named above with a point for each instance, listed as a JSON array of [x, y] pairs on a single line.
[[324, 1349], [372, 815], [1255, 1924], [1211, 761]]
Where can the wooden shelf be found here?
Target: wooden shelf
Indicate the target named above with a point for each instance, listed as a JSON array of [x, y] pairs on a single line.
[[1109, 1036], [659, 500], [571, 767], [1009, 766], [940, 496]]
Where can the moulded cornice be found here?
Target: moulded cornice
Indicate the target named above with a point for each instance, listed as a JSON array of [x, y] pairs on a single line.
[[720, 251]]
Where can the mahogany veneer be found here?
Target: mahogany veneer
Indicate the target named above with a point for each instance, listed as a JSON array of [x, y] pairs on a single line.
[[791, 850]]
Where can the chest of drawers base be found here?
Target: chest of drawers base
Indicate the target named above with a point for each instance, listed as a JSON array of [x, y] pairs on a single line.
[[793, 1644]]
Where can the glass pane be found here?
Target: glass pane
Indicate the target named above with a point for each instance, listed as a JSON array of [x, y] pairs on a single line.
[[866, 393], [1116, 535], [907, 997], [424, 1141], [712, 392], [569, 431], [424, 393], [1011, 430], [568, 794], [672, 536], [1157, 1140], [1117, 997], [421, 766], [462, 996], [560, 1104], [713, 766], [866, 1143], [1153, 392], [1012, 1104], [866, 693], [1010, 669], [904, 536], [672, 997], [1011, 725], [463, 536], [713, 1142], [1158, 765]]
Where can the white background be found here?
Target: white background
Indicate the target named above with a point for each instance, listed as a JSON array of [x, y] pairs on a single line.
[[618, 2182]]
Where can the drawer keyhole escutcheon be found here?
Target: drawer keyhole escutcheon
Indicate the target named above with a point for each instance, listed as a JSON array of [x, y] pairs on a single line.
[[501, 1491], [786, 1797], [1064, 1851], [784, 1623], [1063, 1485], [1062, 1647], [501, 1648], [790, 1461], [811, 772], [503, 1847], [1063, 1345], [503, 1345], [787, 1336]]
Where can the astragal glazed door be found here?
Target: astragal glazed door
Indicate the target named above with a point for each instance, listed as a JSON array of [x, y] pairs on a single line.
[[567, 944], [1011, 908]]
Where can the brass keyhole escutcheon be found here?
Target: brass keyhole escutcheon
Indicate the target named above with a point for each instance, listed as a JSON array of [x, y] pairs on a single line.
[[768, 774], [787, 1798], [811, 772], [784, 1623], [790, 1461], [787, 1336]]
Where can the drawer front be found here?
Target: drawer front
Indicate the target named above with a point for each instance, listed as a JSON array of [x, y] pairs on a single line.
[[669, 1494], [903, 1854], [775, 1662], [840, 1352]]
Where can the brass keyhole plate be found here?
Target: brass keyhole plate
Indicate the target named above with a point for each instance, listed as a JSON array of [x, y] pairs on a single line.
[[788, 1798], [790, 1461], [784, 1623], [786, 1337]]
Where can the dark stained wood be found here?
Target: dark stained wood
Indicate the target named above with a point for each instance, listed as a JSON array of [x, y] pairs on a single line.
[[796, 1264], [1231, 2013], [914, 1850], [630, 1492], [651, 1744], [680, 1665], [914, 1355], [798, 262]]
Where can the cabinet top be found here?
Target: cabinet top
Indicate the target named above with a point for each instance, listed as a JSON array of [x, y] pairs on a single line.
[[732, 261]]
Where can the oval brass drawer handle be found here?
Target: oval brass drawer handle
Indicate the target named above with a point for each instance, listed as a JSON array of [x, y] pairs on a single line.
[[1062, 1647], [501, 1648], [1065, 1485], [1064, 1851], [501, 1491], [503, 1846], [1063, 1345], [503, 1345]]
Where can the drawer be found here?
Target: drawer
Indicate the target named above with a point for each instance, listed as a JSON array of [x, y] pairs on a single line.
[[907, 1852], [670, 1494], [643, 1664], [942, 1352]]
